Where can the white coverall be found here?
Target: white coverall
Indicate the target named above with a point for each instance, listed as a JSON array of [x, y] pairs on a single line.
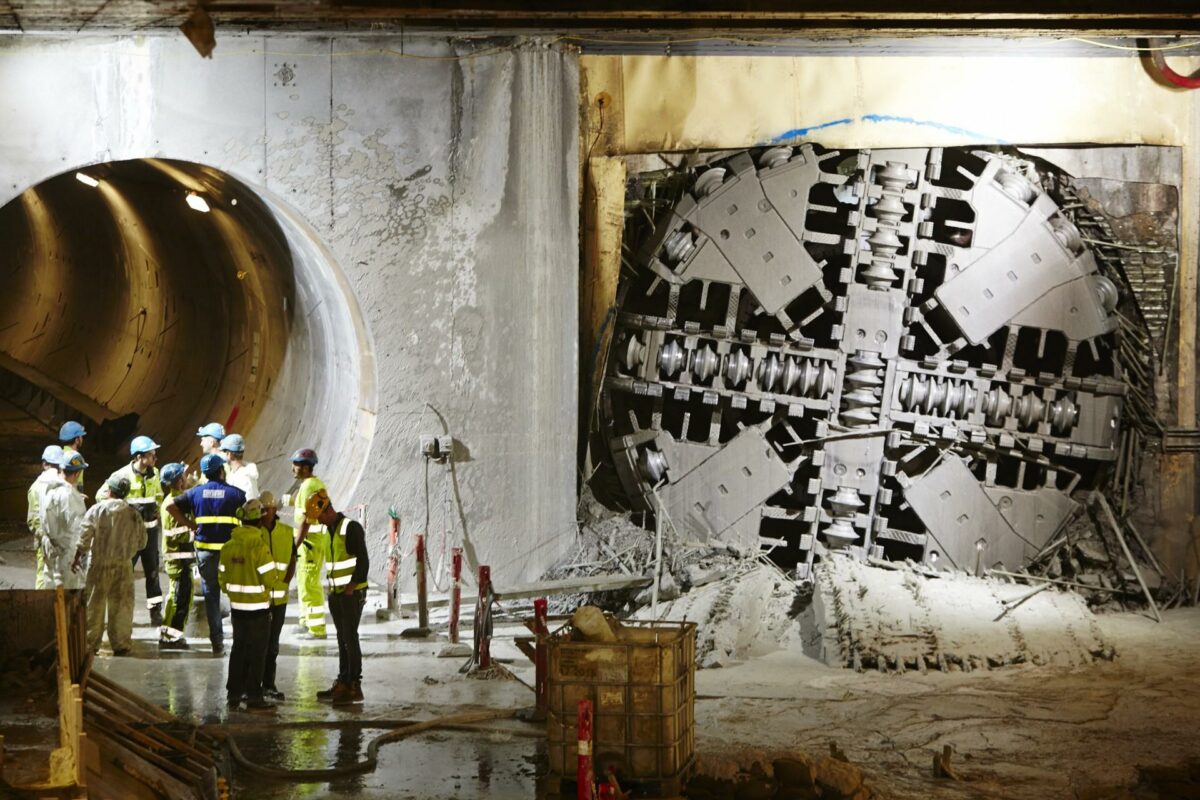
[[113, 532], [33, 518], [62, 516], [245, 478]]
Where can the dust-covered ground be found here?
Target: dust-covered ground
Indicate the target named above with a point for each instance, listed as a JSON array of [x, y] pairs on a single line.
[[1018, 732]]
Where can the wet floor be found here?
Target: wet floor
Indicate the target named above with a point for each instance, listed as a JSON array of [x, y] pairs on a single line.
[[435, 766]]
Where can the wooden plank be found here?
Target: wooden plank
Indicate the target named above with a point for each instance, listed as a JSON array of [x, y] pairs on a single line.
[[596, 583]]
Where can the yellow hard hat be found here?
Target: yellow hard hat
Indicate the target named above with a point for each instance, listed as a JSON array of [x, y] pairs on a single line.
[[268, 500], [318, 502]]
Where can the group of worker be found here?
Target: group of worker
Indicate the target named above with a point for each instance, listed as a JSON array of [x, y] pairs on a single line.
[[218, 521]]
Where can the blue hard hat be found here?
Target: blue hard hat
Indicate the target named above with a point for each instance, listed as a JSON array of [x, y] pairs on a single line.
[[211, 464], [53, 454], [74, 463], [305, 456], [70, 431], [142, 444], [213, 429], [172, 472], [234, 443]]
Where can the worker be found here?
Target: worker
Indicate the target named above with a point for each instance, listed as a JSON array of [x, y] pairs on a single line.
[[238, 472], [210, 444], [312, 542], [281, 540], [146, 496], [62, 517], [112, 532], [248, 576], [209, 511], [179, 555], [70, 436], [52, 457], [348, 566]]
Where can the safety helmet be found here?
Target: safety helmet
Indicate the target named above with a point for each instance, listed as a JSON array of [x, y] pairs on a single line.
[[118, 486], [214, 429], [70, 431], [316, 503], [74, 463], [234, 443], [252, 510], [212, 464], [305, 456], [172, 472], [142, 444], [268, 500], [53, 454]]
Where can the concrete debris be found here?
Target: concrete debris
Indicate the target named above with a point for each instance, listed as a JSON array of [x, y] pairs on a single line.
[[764, 774], [745, 615], [898, 619]]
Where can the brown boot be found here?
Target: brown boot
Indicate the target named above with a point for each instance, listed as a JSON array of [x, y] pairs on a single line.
[[328, 694], [343, 694], [357, 689]]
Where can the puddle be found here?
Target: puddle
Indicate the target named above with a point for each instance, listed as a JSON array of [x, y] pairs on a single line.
[[433, 766]]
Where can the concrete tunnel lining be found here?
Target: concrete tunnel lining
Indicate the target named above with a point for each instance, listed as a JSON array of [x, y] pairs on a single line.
[[284, 343]]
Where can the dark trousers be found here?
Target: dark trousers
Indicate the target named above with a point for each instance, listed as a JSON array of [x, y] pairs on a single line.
[[277, 614], [151, 557], [346, 612], [251, 630], [210, 568]]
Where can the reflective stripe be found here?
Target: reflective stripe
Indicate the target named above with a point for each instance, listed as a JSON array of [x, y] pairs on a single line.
[[318, 528], [341, 580], [209, 545], [152, 523], [183, 555], [265, 568], [263, 606], [279, 565], [220, 567], [218, 521], [347, 564], [317, 609], [177, 530], [237, 587], [151, 602], [278, 593]]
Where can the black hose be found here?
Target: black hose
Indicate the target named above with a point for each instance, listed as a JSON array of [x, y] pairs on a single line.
[[372, 760]]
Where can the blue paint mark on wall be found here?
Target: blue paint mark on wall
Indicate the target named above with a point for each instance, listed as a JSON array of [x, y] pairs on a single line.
[[799, 133], [928, 123], [796, 133]]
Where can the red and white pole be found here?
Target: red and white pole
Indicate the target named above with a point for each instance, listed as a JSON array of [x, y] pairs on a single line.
[[422, 598], [456, 562], [393, 563], [485, 613], [540, 667], [584, 776]]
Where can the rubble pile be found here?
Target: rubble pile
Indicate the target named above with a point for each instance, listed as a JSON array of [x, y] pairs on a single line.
[[791, 775]]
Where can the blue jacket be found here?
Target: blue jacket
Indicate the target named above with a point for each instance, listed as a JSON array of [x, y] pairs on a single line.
[[214, 506]]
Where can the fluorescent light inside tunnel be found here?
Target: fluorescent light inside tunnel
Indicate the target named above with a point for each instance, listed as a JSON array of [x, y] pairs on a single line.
[[86, 179], [197, 203]]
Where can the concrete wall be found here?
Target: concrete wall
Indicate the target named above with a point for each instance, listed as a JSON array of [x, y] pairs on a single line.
[[429, 196]]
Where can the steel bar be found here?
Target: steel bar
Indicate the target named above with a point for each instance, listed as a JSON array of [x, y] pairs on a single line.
[[1116, 527]]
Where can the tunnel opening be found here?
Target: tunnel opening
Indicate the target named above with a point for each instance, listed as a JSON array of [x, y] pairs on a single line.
[[150, 296]]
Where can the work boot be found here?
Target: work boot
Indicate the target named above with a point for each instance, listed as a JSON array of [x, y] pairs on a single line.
[[343, 694], [357, 688], [155, 616], [173, 644], [299, 628], [313, 635], [218, 649], [327, 694], [274, 695], [257, 705]]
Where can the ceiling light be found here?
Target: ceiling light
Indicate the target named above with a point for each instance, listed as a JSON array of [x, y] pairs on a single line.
[[197, 202], [88, 179]]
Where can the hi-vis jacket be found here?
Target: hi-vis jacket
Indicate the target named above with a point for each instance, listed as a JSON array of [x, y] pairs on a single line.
[[177, 539], [281, 542], [247, 572]]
